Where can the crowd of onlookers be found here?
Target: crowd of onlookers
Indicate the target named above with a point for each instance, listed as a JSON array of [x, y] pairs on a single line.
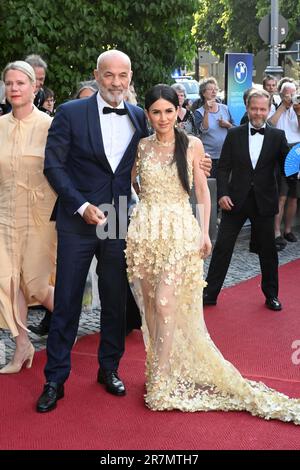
[[209, 119], [44, 97]]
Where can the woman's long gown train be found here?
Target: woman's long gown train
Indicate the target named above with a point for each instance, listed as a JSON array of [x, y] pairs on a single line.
[[184, 368]]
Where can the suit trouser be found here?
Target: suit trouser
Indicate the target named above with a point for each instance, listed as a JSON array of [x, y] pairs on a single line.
[[133, 316], [74, 256], [229, 229]]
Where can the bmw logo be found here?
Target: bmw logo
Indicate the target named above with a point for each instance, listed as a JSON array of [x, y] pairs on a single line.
[[240, 72]]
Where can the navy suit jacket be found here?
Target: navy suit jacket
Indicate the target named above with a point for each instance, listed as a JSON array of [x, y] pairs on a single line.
[[76, 165], [236, 176]]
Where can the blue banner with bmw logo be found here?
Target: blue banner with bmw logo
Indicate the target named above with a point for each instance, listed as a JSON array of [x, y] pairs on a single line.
[[238, 77]]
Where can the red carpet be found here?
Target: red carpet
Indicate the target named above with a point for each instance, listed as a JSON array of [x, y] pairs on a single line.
[[256, 340]]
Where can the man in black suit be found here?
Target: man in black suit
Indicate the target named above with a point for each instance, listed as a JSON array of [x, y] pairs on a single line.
[[247, 188], [90, 152]]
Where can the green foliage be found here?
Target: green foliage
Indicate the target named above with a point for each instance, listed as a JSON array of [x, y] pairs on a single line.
[[227, 25], [241, 25], [70, 34], [232, 25], [208, 29]]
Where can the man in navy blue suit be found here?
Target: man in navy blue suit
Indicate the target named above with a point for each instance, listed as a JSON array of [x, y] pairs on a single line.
[[90, 152]]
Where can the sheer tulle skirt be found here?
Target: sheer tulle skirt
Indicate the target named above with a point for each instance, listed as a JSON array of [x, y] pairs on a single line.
[[184, 368]]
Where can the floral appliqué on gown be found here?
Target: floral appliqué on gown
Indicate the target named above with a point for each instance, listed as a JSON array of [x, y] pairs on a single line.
[[184, 368]]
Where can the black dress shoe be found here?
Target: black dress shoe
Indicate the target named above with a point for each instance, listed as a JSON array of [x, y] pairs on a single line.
[[280, 243], [40, 330], [273, 303], [112, 382], [290, 237], [208, 300], [51, 393], [253, 248]]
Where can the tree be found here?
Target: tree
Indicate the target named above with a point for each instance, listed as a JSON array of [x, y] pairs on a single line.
[[208, 29], [227, 25], [232, 25], [241, 24], [70, 34]]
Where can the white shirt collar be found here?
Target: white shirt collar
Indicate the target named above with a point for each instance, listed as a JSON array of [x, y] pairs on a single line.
[[102, 103]]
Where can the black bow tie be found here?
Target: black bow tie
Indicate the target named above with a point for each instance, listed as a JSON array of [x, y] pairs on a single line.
[[108, 110], [260, 131]]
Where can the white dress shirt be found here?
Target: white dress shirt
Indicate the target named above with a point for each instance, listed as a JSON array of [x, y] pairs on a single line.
[[117, 132], [288, 122], [255, 145]]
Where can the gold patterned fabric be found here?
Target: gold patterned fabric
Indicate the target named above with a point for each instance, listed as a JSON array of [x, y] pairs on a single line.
[[184, 368], [27, 237]]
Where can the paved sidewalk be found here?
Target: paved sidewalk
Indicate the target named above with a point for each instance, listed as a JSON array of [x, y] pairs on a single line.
[[244, 265]]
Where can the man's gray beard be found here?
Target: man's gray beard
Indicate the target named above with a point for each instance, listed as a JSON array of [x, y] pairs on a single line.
[[109, 97], [262, 123]]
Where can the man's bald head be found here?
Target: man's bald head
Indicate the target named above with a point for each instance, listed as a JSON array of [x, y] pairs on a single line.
[[112, 55], [113, 75]]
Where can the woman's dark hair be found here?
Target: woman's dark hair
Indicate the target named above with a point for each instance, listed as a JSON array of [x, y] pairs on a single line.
[[168, 93], [186, 103], [48, 93]]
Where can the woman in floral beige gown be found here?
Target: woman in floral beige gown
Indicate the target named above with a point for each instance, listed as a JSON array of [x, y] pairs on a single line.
[[165, 250]]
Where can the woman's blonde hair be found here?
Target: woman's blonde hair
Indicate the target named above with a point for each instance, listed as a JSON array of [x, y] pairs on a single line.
[[22, 66]]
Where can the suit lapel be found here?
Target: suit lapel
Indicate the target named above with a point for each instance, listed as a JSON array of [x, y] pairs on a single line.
[[265, 146], [132, 116], [95, 133], [245, 144], [134, 138]]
